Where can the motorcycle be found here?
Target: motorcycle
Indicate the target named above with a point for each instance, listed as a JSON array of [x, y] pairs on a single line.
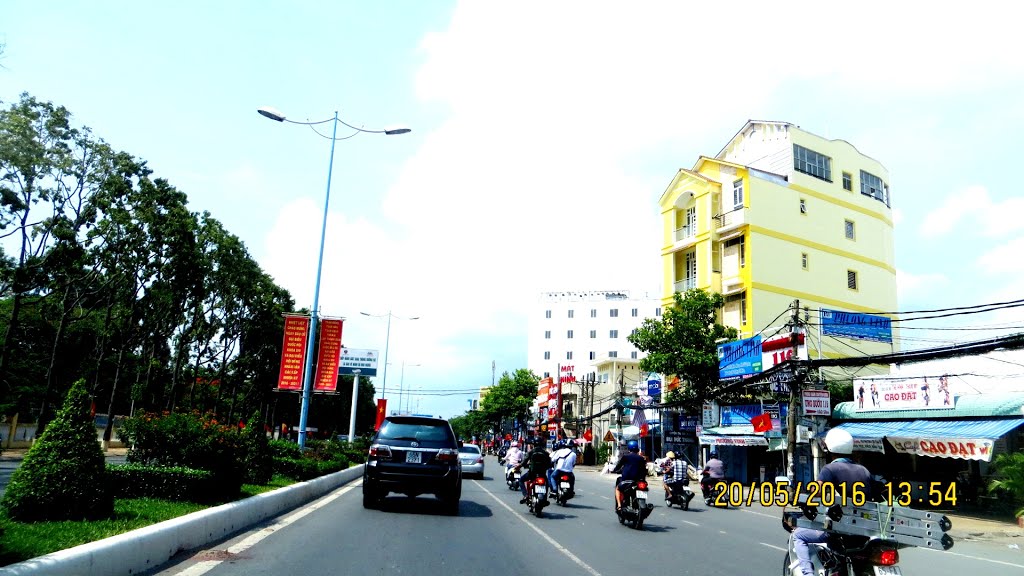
[[512, 477], [679, 493], [714, 491], [563, 488], [635, 508], [537, 489], [843, 554]]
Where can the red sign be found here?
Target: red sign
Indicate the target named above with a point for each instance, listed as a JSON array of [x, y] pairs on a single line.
[[293, 352], [382, 405], [330, 353]]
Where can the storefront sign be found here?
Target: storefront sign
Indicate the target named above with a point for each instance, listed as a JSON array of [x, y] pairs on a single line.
[[910, 393], [963, 448], [777, 350], [710, 415], [734, 440], [817, 403], [868, 445], [855, 325], [739, 358]]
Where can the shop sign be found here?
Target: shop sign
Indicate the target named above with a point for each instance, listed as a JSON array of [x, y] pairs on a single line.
[[963, 448], [910, 393], [734, 440], [868, 445], [817, 403]]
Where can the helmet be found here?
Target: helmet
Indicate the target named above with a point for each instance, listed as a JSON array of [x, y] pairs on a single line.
[[713, 454], [515, 445], [839, 441], [633, 446], [670, 454]]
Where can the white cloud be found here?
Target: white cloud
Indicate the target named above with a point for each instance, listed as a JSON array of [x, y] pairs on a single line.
[[1004, 259], [909, 285], [973, 207]]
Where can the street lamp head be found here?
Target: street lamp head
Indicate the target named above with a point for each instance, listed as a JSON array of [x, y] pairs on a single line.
[[271, 113], [395, 130]]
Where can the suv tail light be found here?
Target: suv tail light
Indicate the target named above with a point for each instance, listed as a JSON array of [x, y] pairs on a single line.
[[380, 452], [641, 485], [447, 455]]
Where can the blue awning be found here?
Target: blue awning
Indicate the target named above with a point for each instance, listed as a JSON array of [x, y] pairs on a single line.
[[990, 429]]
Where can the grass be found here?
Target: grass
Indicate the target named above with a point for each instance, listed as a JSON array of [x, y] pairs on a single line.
[[20, 541]]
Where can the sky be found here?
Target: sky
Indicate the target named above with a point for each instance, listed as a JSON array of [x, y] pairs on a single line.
[[543, 134]]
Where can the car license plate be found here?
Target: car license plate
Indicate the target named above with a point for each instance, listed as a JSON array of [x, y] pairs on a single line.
[[565, 485], [641, 494], [413, 457], [888, 571], [541, 489]]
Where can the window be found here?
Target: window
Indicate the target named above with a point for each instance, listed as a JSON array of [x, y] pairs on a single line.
[[593, 333], [657, 311], [633, 354], [690, 271], [803, 260], [803, 206], [593, 355], [613, 354], [634, 331], [547, 355], [810, 162], [546, 375], [737, 194], [851, 232], [635, 313], [740, 244], [613, 333], [570, 313], [568, 355], [547, 313], [547, 334], [847, 181], [614, 312], [568, 334], [871, 185], [593, 312], [851, 279]]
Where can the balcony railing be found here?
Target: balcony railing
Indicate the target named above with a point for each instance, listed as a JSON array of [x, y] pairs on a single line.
[[688, 231], [733, 217], [685, 284]]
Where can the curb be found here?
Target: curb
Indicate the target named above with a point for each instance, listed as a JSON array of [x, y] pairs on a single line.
[[147, 548]]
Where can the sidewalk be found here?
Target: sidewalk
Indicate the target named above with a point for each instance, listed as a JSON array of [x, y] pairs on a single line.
[[966, 525]]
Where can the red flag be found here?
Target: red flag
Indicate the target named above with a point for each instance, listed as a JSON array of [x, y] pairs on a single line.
[[588, 435], [762, 423], [644, 430], [382, 405], [674, 383]]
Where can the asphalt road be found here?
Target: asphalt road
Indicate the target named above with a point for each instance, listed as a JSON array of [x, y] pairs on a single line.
[[493, 534]]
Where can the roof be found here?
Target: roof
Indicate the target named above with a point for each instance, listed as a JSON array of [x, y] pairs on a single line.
[[967, 406], [988, 429], [744, 128]]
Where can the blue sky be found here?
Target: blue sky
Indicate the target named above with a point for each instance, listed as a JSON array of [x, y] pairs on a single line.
[[543, 135]]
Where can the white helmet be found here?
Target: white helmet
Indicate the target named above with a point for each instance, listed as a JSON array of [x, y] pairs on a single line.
[[839, 441], [515, 445]]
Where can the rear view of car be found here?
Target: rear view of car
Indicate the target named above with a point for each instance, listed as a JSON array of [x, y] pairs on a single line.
[[472, 460], [413, 455]]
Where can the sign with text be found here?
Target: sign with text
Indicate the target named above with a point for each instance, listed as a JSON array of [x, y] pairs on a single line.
[[963, 448], [654, 387], [330, 351], [777, 350], [363, 360], [817, 403], [293, 353], [856, 325], [710, 415], [733, 440], [739, 358], [868, 445], [909, 393]]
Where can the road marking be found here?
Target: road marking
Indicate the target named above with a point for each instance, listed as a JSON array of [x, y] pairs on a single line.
[[974, 557], [543, 534], [759, 513], [779, 548], [691, 523], [202, 567], [721, 531]]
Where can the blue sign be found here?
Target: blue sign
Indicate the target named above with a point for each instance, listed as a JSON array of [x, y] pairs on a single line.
[[856, 325], [740, 414], [654, 387], [739, 358]]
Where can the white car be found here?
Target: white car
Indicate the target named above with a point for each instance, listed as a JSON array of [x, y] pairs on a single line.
[[472, 460]]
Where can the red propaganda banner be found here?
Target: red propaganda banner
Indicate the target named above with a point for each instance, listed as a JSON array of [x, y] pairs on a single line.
[[330, 354], [293, 352], [382, 410]]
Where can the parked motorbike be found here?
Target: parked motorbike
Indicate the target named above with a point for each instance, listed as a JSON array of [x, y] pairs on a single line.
[[843, 554], [635, 508], [563, 488], [537, 489], [512, 477], [679, 494]]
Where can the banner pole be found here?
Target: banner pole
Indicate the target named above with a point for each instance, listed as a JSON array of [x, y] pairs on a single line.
[[352, 415]]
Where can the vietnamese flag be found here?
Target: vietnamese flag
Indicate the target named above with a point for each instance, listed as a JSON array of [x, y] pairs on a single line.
[[674, 383], [382, 404], [762, 423], [588, 435]]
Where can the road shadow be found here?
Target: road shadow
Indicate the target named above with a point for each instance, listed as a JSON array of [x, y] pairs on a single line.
[[431, 506]]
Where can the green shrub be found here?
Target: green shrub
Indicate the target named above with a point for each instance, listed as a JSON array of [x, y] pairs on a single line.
[[63, 475], [258, 462], [284, 449], [167, 483], [303, 469], [1009, 479]]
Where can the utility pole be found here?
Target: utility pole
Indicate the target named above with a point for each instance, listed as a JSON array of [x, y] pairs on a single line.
[[795, 401], [622, 394]]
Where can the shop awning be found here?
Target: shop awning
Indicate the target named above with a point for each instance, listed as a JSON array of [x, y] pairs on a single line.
[[741, 435], [966, 439]]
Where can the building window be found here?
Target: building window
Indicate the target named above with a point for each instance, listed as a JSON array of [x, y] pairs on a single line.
[[593, 333], [634, 331], [568, 355], [547, 334], [613, 333], [803, 206], [851, 279], [593, 312], [657, 312], [613, 354], [810, 162], [568, 334], [547, 313], [740, 244], [633, 354], [614, 312], [546, 375], [871, 185], [803, 260], [847, 181], [851, 231], [593, 355], [547, 355], [740, 301], [635, 312], [570, 313], [737, 194]]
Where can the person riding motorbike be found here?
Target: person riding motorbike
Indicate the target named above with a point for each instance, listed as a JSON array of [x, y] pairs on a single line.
[[675, 474], [632, 466], [714, 471], [845, 475], [564, 458], [512, 458], [536, 462]]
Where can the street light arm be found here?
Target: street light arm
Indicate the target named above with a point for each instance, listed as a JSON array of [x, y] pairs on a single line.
[[326, 137]]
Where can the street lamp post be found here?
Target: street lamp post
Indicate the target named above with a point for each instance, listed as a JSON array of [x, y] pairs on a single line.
[[307, 376], [401, 386], [387, 343]]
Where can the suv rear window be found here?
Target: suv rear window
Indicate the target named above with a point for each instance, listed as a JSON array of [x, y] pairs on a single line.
[[427, 434]]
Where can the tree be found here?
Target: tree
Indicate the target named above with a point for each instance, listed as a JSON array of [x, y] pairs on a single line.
[[684, 343], [511, 398], [472, 423]]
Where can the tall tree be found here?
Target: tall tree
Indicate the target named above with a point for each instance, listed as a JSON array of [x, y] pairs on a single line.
[[511, 398]]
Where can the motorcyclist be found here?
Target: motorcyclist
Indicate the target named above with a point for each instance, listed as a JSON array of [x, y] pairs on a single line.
[[714, 471], [513, 458], [564, 459], [536, 462], [631, 466], [675, 474], [845, 475]]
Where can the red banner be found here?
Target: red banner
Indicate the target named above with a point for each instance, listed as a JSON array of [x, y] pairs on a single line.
[[382, 410], [293, 352], [330, 353]]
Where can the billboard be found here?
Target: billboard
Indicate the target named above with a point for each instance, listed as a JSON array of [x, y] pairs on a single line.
[[856, 325], [739, 358], [293, 353], [903, 393], [326, 379], [363, 360]]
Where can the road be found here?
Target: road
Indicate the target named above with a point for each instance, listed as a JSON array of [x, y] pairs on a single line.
[[493, 534]]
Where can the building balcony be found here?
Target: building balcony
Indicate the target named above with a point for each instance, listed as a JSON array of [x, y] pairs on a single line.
[[685, 284], [686, 232], [730, 220]]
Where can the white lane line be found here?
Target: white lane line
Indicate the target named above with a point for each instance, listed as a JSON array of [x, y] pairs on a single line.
[[721, 531], [544, 535], [974, 557], [779, 548], [691, 523], [761, 514], [202, 567]]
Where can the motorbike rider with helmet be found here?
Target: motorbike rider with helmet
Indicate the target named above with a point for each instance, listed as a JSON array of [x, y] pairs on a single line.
[[714, 471], [564, 459], [537, 461], [631, 466], [513, 457], [840, 471]]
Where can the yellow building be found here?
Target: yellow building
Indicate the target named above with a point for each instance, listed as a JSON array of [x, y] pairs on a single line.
[[781, 214]]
